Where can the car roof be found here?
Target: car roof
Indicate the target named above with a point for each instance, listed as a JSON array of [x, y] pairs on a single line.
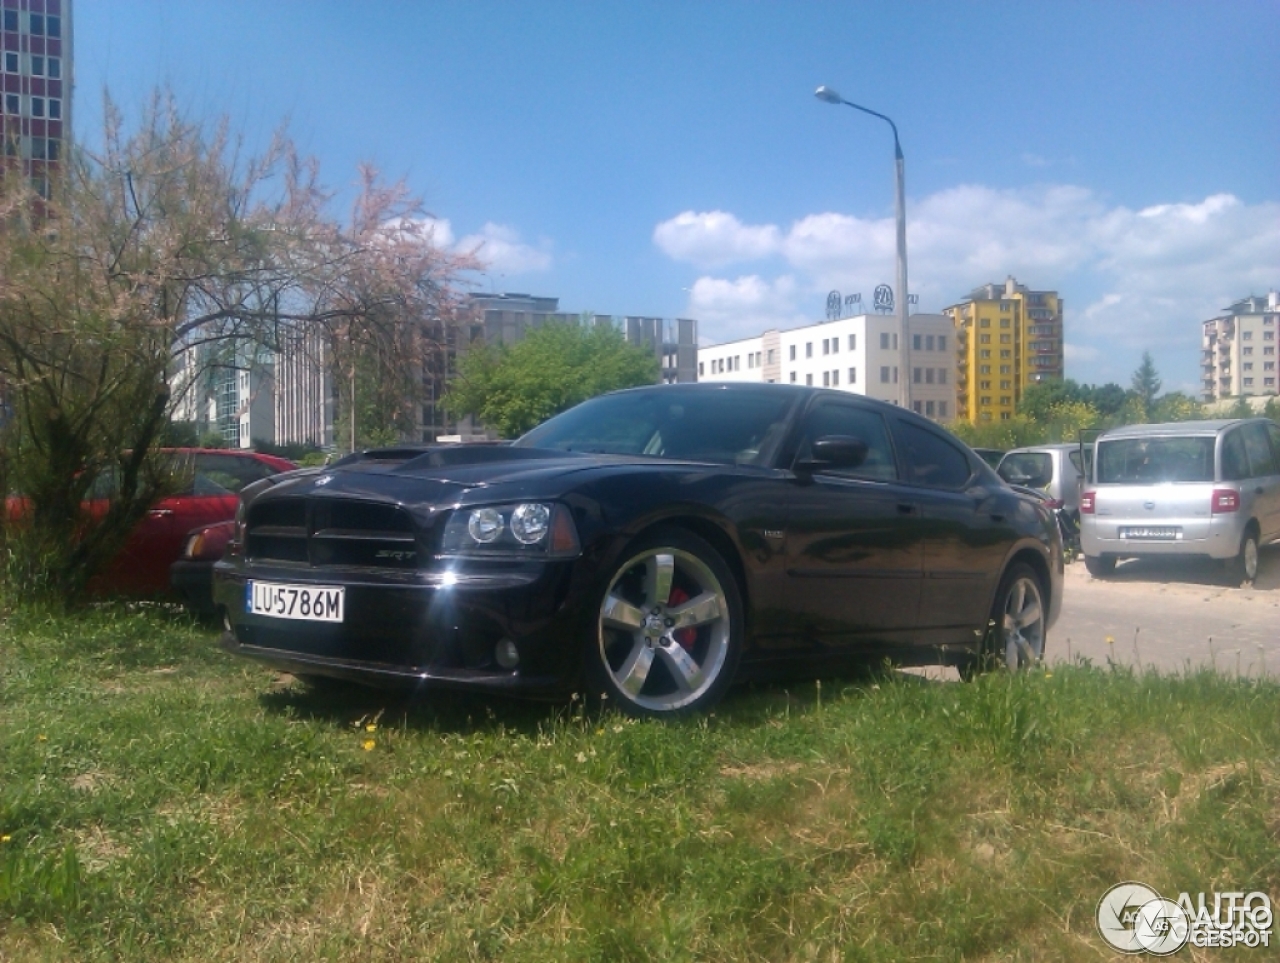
[[1176, 428], [1052, 446]]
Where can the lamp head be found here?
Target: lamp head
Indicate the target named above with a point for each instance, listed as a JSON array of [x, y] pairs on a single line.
[[830, 96]]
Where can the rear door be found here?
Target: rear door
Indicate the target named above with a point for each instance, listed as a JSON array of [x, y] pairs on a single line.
[[1155, 489], [853, 538], [963, 541]]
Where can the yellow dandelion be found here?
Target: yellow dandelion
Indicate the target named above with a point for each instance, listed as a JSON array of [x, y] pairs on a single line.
[[371, 727], [42, 738], [5, 838], [368, 745], [1110, 640]]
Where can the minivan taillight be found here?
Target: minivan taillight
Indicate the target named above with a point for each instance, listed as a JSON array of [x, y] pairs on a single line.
[[1225, 500], [1087, 503]]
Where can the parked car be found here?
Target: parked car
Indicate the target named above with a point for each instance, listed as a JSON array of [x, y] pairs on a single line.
[[1192, 488], [1055, 469], [212, 480], [653, 545]]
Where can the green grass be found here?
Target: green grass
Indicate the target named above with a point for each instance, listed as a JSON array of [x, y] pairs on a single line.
[[163, 802]]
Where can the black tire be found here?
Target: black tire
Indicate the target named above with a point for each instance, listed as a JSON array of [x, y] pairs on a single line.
[[1243, 569], [1016, 630], [669, 630], [1099, 566]]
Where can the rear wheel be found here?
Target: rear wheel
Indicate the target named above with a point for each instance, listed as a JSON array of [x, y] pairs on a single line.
[[1099, 566], [670, 627], [1244, 567], [1016, 632]]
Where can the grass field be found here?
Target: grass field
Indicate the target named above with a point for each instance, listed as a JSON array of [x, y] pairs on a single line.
[[159, 801]]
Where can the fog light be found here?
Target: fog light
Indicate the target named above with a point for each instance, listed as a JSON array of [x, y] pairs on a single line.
[[507, 654]]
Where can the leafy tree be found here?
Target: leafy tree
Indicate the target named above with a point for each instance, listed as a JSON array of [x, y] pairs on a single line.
[[1176, 406], [1038, 399], [512, 388], [1068, 418], [1017, 432], [1272, 409], [1106, 399], [1146, 382], [170, 236]]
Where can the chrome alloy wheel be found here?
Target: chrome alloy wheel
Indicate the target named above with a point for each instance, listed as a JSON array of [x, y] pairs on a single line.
[[1021, 622], [665, 630]]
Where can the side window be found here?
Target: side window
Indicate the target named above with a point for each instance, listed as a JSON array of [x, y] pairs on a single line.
[[1274, 432], [931, 459], [1256, 445], [221, 474], [836, 419], [1235, 463]]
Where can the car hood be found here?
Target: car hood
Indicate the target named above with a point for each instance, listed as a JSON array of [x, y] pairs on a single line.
[[446, 475]]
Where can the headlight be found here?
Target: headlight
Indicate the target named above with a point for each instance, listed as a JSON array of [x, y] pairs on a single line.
[[524, 529]]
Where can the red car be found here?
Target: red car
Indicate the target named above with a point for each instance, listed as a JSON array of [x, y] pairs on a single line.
[[214, 478]]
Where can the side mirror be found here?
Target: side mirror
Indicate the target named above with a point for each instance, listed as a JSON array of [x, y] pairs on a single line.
[[833, 451]]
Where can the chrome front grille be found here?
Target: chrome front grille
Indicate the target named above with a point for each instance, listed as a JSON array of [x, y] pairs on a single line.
[[324, 532]]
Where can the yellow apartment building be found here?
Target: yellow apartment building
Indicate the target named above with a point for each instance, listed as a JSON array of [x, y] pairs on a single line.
[[1007, 338]]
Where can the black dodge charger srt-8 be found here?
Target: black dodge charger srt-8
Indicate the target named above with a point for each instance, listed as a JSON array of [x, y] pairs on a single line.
[[652, 545]]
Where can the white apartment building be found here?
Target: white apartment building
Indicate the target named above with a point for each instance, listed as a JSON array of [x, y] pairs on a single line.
[[1238, 350], [860, 354]]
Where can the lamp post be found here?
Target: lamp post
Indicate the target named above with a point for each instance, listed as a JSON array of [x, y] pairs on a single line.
[[904, 357]]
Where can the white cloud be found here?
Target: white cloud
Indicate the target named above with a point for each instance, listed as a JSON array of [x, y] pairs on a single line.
[[437, 230], [1132, 279], [744, 306], [713, 239], [502, 251]]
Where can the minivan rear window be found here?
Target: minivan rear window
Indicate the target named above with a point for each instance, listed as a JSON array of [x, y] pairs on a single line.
[[1144, 461]]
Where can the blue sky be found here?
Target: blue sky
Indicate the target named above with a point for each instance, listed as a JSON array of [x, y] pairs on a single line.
[[669, 158]]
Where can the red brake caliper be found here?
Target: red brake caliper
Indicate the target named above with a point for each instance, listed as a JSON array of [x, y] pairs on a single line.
[[686, 637]]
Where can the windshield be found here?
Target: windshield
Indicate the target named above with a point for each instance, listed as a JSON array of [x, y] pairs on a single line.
[[1143, 461], [725, 427]]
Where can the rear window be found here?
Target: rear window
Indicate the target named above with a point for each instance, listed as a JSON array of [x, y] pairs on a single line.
[[1031, 468], [1146, 461]]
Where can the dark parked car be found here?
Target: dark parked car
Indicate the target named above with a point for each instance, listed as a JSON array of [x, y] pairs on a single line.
[[653, 545]]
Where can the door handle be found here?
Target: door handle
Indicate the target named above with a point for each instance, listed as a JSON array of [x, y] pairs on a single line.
[[159, 512], [906, 508]]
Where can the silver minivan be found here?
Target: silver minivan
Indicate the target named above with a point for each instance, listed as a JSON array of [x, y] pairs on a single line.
[[1209, 488], [1056, 469]]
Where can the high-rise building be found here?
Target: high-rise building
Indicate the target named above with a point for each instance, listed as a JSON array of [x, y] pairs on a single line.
[[1238, 349], [36, 74], [1007, 339]]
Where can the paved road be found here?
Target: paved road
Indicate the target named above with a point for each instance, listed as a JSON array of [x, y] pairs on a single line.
[[1170, 614]]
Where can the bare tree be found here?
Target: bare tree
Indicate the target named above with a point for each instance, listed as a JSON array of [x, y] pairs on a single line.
[[167, 237]]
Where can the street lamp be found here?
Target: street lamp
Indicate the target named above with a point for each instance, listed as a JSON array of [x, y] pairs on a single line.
[[904, 357]]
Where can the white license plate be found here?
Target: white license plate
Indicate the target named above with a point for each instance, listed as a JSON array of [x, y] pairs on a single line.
[[1165, 532], [310, 603]]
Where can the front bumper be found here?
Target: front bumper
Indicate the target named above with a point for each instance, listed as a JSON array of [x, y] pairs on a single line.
[[415, 629]]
